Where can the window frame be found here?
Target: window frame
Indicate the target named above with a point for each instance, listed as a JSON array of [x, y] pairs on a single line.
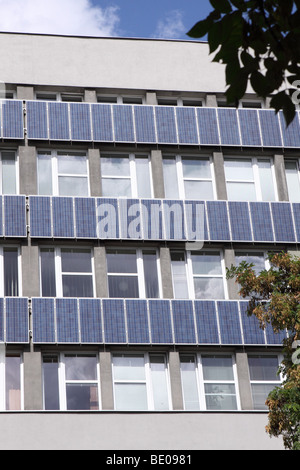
[[148, 378], [17, 171], [297, 161], [3, 365], [180, 180], [63, 381], [256, 177], [133, 178], [190, 274], [59, 96], [58, 268], [19, 261], [200, 381], [140, 274]]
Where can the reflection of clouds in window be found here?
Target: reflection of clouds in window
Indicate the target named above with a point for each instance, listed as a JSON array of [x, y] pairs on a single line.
[[209, 288]]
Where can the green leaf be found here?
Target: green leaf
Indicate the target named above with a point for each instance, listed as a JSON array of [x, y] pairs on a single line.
[[215, 36], [221, 5], [282, 101], [200, 29], [259, 84]]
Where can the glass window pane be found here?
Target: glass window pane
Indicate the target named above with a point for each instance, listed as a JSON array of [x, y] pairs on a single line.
[[11, 283], [170, 178], [48, 273], [206, 263], [72, 165], [159, 383], [266, 180], [73, 186], [80, 367], [263, 367], [241, 192], [260, 393], [217, 367], [82, 397], [13, 382], [150, 274], [209, 288], [129, 367], [123, 287], [51, 386], [200, 190], [132, 397], [77, 286], [257, 259], [293, 181], [196, 168], [116, 187], [121, 261], [220, 397], [76, 261], [9, 184], [143, 177], [45, 175], [180, 285], [115, 166], [189, 383], [238, 169]]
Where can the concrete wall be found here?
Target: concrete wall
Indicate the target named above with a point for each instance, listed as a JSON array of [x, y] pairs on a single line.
[[136, 431]]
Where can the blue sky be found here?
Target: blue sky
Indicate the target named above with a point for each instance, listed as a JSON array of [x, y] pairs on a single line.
[[167, 19]]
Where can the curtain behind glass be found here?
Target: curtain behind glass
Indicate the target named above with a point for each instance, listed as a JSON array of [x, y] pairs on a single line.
[[11, 283]]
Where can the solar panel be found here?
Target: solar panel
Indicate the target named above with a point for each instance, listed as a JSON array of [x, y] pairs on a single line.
[[107, 213], [63, 217], [290, 134], [114, 321], [261, 221], [274, 338], [206, 322], [270, 130], [130, 218], [230, 328], [229, 128], [12, 119], [208, 126], [67, 321], [59, 126], [37, 120], [187, 126], [249, 126], [166, 124], [102, 123], [40, 216], [296, 212], [283, 222], [17, 320], [152, 219], [160, 322], [43, 320], [253, 334], [218, 220], [240, 221], [174, 222], [183, 321], [144, 124], [123, 123], [137, 321], [80, 121], [85, 217], [15, 216], [90, 321]]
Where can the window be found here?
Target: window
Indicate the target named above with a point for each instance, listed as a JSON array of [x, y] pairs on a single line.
[[263, 377], [8, 168], [209, 382], [258, 258], [118, 99], [126, 176], [132, 273], [52, 96], [63, 174], [71, 382], [198, 275], [250, 179], [11, 373], [188, 178], [140, 382], [10, 271], [66, 272], [293, 179], [184, 101]]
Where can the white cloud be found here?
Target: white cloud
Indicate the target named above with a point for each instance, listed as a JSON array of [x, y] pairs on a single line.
[[170, 27], [69, 17]]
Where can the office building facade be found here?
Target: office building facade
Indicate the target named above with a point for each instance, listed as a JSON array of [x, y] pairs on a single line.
[[128, 187]]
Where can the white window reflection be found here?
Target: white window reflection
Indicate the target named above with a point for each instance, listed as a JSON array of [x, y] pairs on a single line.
[[264, 377]]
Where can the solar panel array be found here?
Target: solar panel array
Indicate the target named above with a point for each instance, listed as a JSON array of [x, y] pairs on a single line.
[[140, 321], [99, 122], [158, 219]]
